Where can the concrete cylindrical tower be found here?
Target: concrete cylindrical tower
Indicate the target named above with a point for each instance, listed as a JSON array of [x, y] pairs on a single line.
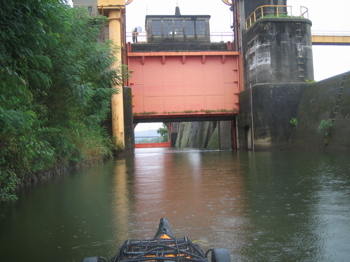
[[278, 50]]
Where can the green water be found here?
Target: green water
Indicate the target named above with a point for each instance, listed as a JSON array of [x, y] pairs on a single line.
[[261, 206]]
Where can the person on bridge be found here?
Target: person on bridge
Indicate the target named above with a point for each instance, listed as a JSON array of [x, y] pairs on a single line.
[[134, 35]]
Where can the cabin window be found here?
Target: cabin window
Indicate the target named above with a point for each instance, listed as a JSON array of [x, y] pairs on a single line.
[[167, 27], [189, 27], [200, 27], [178, 27], [156, 27]]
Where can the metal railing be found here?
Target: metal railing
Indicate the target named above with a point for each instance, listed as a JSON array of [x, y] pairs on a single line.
[[215, 37], [274, 11], [142, 36], [221, 37]]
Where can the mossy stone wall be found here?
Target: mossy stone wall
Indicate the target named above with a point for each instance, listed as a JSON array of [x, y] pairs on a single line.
[[322, 101], [274, 105]]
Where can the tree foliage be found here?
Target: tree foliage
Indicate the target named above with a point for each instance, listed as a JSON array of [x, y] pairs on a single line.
[[163, 131], [55, 88]]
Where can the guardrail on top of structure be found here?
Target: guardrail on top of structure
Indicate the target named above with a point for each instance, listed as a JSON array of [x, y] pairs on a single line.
[[142, 36], [274, 11], [214, 37]]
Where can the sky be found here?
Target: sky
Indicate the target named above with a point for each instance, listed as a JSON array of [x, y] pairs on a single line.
[[326, 16]]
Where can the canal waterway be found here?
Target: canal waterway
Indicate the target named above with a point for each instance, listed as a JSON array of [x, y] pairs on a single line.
[[263, 206]]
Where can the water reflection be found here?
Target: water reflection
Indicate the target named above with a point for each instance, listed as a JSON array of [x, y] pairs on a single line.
[[201, 198], [262, 207], [332, 208], [286, 224], [122, 201]]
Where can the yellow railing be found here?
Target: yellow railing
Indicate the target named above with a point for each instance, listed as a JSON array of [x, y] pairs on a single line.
[[274, 11]]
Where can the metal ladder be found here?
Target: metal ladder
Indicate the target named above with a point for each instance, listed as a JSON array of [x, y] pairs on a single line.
[[300, 57]]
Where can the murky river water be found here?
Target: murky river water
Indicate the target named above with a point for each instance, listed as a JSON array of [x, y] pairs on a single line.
[[261, 206]]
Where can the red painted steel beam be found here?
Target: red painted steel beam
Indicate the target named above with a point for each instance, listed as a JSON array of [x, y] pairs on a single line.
[[152, 145], [201, 53]]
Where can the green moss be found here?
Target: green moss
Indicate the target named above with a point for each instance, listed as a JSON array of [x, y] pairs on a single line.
[[214, 140]]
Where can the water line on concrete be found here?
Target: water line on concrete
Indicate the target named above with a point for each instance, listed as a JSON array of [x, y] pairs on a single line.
[[252, 117]]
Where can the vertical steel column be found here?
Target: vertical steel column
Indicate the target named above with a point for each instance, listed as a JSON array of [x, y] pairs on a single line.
[[115, 10], [115, 34]]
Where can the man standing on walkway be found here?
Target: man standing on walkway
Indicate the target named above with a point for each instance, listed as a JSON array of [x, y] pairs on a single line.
[[134, 35]]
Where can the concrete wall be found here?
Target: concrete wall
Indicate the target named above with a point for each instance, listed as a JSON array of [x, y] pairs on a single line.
[[278, 50], [194, 134], [277, 57], [273, 106], [204, 135], [91, 5], [322, 101], [225, 135]]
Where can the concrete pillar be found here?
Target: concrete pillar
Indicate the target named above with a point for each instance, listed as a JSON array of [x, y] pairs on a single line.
[[225, 135], [173, 137], [128, 121], [278, 50]]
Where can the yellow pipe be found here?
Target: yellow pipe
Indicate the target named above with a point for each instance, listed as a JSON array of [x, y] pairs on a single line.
[[330, 40]]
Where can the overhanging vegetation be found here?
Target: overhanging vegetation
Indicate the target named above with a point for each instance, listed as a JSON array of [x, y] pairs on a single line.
[[55, 89]]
